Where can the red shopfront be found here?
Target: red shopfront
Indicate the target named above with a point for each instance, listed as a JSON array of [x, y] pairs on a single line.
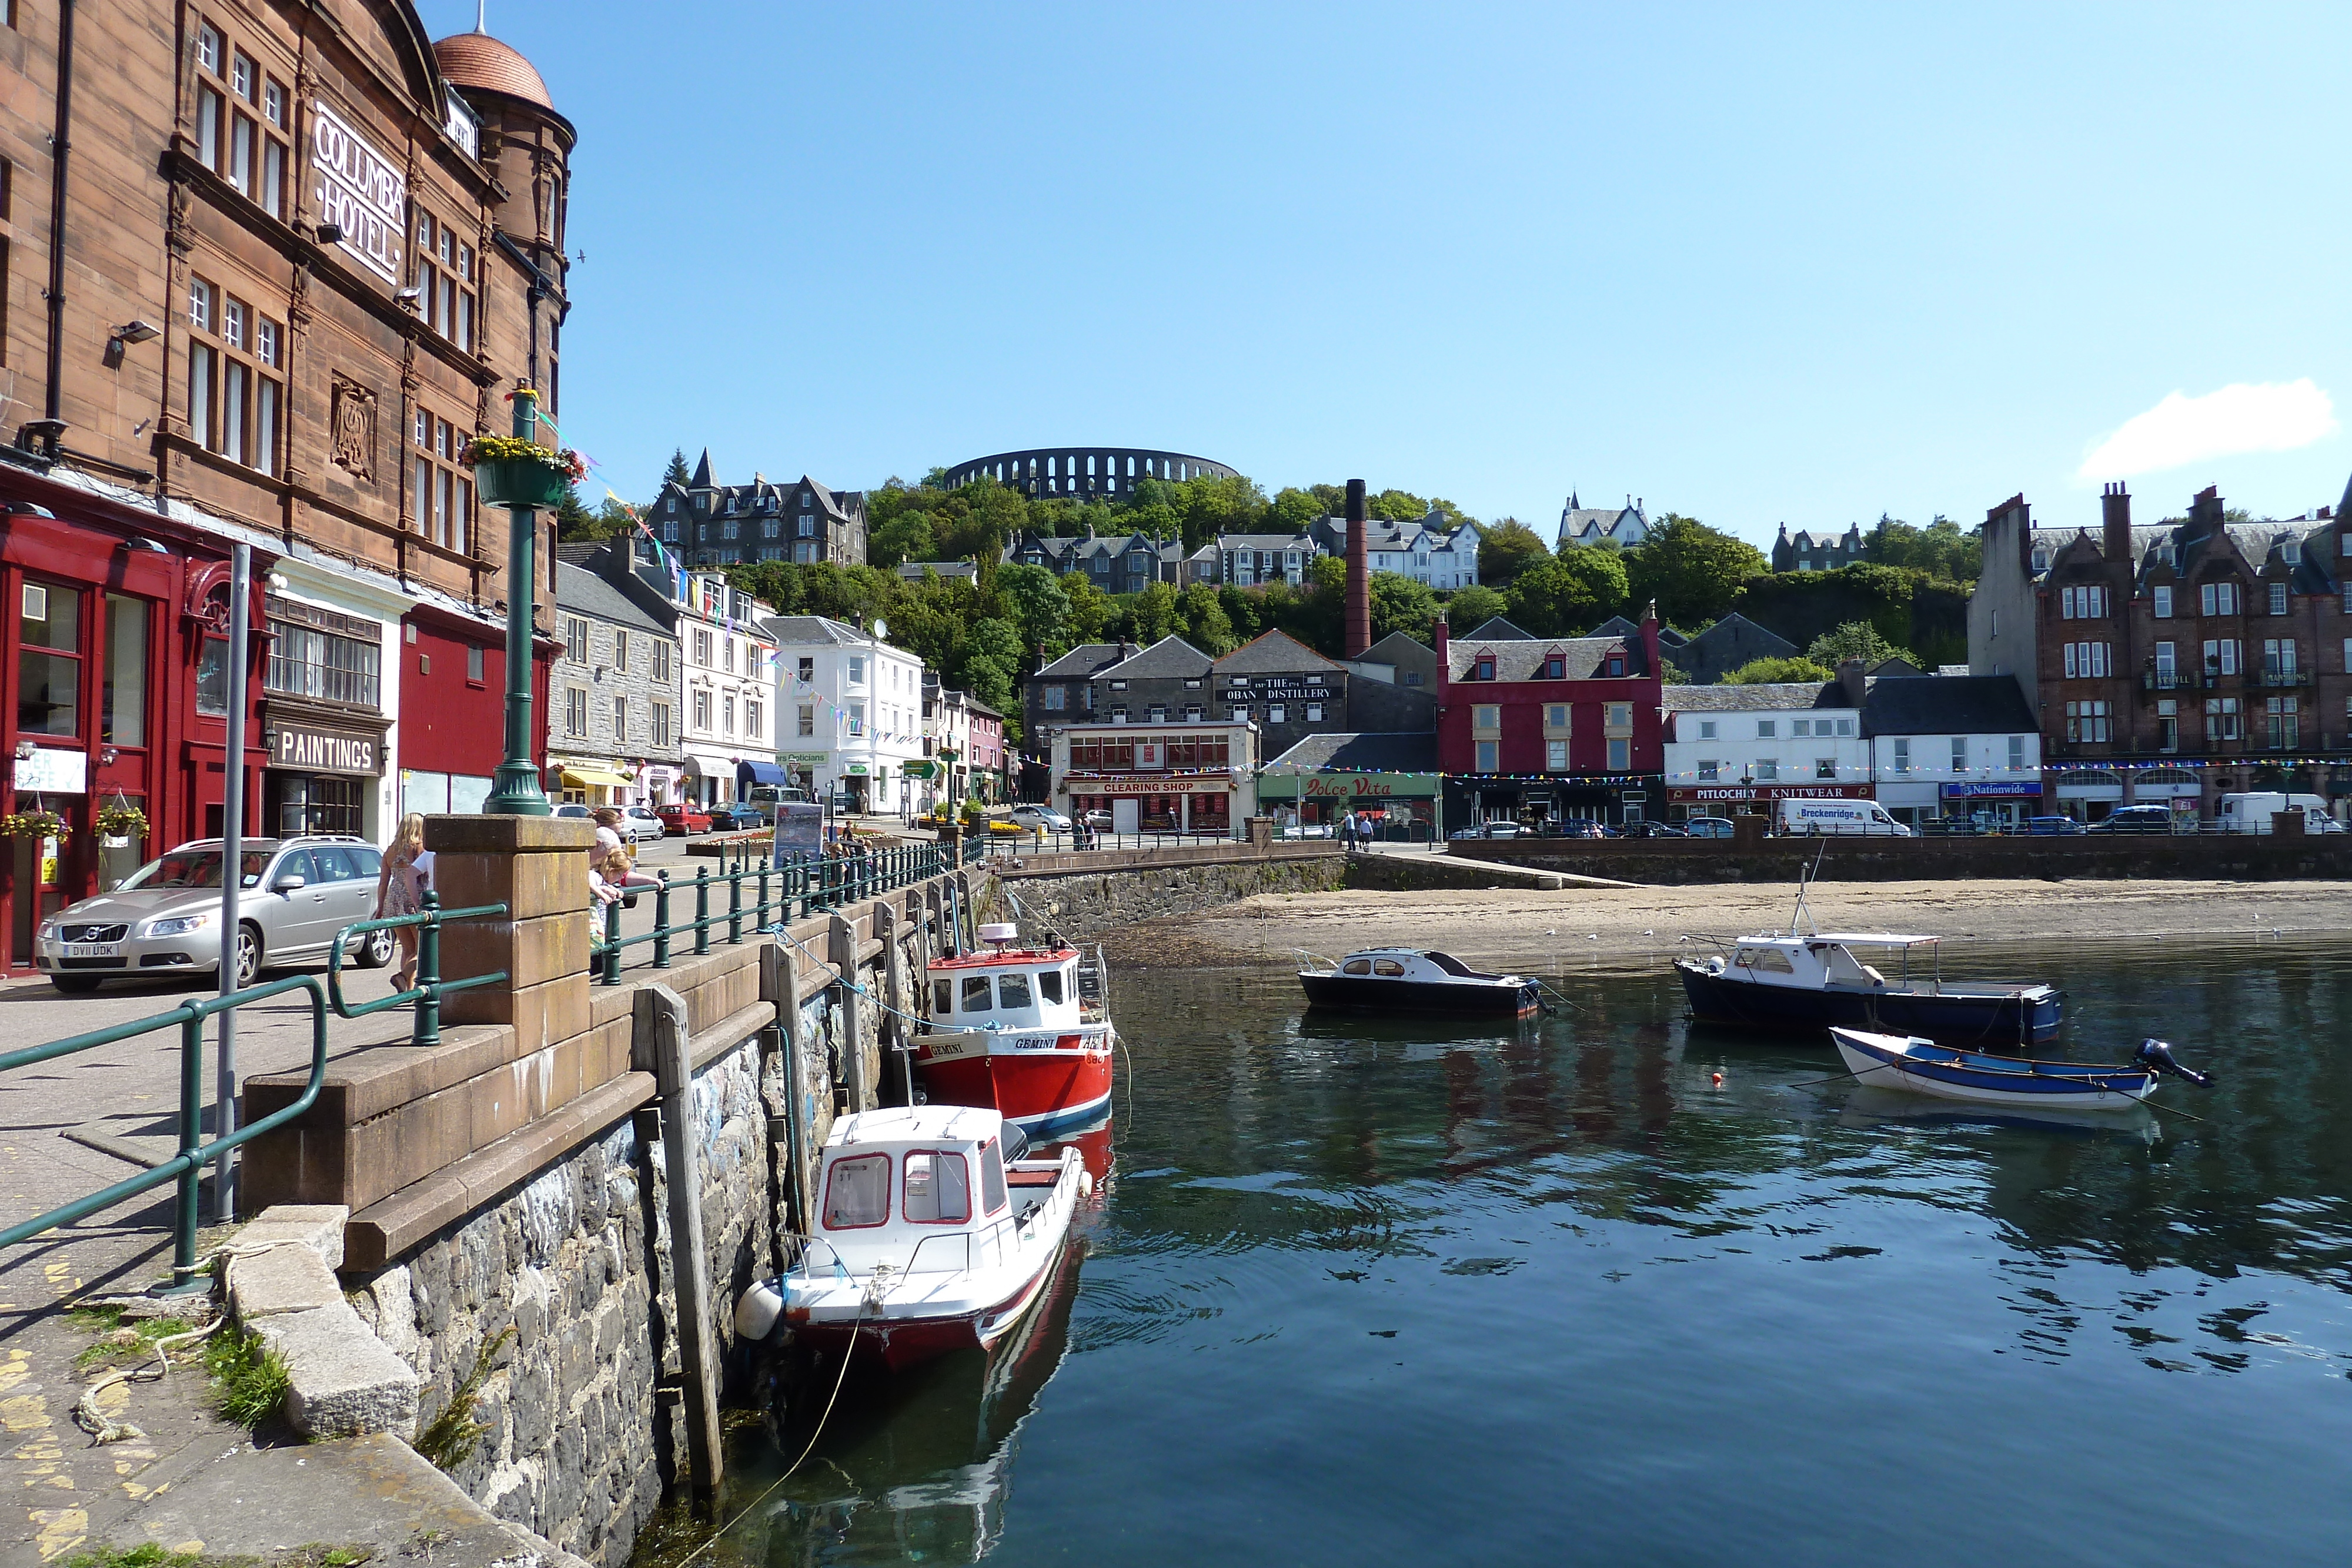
[[115, 655]]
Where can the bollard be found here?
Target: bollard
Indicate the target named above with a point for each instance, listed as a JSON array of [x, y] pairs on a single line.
[[661, 922], [192, 1110], [735, 908], [429, 974], [613, 943], [701, 910], [759, 918]]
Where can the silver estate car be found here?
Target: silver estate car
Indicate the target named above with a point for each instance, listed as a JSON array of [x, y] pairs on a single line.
[[165, 919]]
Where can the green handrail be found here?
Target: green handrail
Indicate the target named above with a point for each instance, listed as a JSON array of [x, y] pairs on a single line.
[[430, 987], [186, 1168]]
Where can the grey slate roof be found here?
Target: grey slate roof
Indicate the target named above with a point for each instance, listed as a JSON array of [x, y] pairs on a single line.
[[799, 630], [1366, 752], [1086, 659], [1618, 626], [1171, 655], [951, 570], [1495, 631], [1517, 660], [1273, 652], [583, 591], [1742, 699], [1945, 704]]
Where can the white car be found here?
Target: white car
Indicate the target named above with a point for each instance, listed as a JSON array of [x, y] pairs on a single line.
[[639, 825], [1045, 819]]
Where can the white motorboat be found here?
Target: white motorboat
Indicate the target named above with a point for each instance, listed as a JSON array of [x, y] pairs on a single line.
[[933, 1234]]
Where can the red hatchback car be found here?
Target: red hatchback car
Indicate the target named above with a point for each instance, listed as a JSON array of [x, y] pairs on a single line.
[[683, 819]]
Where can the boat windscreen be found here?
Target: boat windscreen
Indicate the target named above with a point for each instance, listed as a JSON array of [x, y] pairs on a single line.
[[1016, 1142], [1454, 966]]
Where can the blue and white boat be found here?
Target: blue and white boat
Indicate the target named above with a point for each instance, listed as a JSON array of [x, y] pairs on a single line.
[[1923, 1067], [1824, 979]]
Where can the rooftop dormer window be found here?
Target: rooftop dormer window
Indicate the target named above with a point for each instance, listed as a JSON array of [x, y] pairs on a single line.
[[2291, 551], [1484, 670], [1616, 664]]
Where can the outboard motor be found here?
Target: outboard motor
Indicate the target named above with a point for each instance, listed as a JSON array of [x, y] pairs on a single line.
[[2156, 1055]]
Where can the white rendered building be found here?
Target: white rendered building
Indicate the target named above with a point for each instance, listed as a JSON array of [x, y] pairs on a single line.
[[1740, 748], [849, 710], [728, 673]]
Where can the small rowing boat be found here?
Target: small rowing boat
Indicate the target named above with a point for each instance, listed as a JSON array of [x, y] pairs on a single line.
[[1923, 1067]]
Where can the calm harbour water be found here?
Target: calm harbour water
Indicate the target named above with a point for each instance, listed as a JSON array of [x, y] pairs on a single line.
[[1383, 1292]]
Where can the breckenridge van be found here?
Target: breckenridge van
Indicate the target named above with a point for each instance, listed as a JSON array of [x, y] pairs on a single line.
[[1798, 816]]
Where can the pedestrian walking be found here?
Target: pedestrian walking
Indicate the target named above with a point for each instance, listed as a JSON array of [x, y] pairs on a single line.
[[1348, 831], [400, 889]]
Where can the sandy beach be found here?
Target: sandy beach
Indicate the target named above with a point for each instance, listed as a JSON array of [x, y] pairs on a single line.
[[1533, 929]]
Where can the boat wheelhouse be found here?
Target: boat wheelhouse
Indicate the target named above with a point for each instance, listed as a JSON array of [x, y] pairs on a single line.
[[933, 1234], [1824, 979], [1021, 1030], [1411, 980]]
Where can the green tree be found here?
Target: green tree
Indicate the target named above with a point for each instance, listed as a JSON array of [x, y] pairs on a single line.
[[1092, 611], [1397, 505], [990, 515], [1207, 626], [1560, 596], [1153, 613], [1771, 672], [1039, 606], [677, 472], [1470, 607], [991, 662], [1939, 550], [1290, 512], [1244, 611], [1400, 604], [1693, 571], [906, 536], [1853, 639], [1507, 547]]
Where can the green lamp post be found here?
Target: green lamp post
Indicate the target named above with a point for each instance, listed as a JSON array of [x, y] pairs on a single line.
[[521, 475]]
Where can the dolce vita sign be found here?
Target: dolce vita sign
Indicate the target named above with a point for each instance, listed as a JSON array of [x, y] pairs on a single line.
[[360, 192]]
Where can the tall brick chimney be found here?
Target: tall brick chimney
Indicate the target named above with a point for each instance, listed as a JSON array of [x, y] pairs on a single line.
[[1359, 575], [2114, 512]]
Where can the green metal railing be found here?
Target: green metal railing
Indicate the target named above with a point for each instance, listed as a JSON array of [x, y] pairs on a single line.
[[778, 895], [186, 1168], [429, 987]]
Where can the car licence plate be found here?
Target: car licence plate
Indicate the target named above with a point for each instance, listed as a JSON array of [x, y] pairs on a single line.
[[93, 949]]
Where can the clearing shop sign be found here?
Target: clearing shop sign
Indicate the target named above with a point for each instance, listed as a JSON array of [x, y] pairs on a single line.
[[1709, 794], [1167, 784]]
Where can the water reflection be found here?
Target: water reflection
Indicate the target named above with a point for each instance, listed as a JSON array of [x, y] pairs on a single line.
[[1329, 1240]]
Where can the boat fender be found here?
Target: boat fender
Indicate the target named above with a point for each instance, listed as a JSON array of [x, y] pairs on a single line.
[[757, 1312], [1086, 1184], [2156, 1055]]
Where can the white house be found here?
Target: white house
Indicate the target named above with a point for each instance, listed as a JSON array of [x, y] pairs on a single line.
[[1742, 748], [727, 670], [1433, 550], [1953, 746], [1581, 525], [850, 708]]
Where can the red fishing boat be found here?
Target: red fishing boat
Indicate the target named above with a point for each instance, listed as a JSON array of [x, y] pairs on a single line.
[[1019, 1031]]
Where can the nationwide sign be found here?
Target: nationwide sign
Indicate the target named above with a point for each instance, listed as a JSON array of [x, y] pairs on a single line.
[[324, 751], [360, 192], [1737, 792], [2012, 788]]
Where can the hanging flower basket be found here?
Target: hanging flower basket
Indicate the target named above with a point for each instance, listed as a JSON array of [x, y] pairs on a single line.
[[32, 825], [121, 821], [512, 472]]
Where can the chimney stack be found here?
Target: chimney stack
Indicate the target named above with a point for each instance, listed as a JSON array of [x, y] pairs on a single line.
[[1359, 575], [2115, 511]]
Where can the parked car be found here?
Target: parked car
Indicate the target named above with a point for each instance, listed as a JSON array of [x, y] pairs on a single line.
[[1041, 818], [684, 819], [1500, 828], [735, 816], [1707, 827], [1099, 817], [2135, 819], [1649, 829], [1586, 828], [296, 895], [640, 824], [2058, 825]]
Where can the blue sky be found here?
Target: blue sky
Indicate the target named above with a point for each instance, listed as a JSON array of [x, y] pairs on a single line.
[[1750, 266]]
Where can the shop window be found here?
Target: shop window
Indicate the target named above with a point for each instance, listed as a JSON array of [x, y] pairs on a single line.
[[305, 662], [48, 660], [123, 720]]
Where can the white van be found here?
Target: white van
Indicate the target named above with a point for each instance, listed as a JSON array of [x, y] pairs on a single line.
[[1839, 817], [2251, 812]]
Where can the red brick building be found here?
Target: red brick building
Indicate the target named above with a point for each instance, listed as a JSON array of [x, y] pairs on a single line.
[[1549, 728], [2173, 665]]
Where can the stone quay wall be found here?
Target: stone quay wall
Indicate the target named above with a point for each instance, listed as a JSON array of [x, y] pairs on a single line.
[[512, 1236], [2244, 857]]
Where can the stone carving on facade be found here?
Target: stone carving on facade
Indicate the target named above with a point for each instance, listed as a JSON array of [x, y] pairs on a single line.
[[297, 301], [354, 415]]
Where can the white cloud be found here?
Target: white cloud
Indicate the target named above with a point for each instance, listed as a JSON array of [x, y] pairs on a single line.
[[2277, 416]]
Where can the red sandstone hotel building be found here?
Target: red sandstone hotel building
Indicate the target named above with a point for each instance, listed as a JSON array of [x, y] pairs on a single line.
[[264, 264]]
